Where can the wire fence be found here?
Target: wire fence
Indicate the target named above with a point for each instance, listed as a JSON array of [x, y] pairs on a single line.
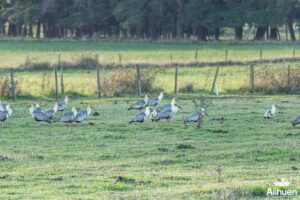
[[101, 80]]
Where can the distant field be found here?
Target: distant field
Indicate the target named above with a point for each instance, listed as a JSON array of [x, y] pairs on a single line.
[[15, 52], [114, 160]]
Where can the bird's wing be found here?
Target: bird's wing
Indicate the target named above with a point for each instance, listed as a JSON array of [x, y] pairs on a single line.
[[192, 117], [163, 107], [296, 120], [49, 113], [166, 113], [41, 116], [3, 116], [137, 105], [67, 117], [61, 105], [267, 113], [80, 116]]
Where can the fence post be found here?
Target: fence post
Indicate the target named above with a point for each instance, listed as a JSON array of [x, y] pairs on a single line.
[[226, 55], [138, 81], [252, 86], [12, 84], [104, 80], [260, 54], [120, 58], [61, 76], [56, 83], [289, 77], [196, 55], [294, 52], [98, 77], [215, 80]]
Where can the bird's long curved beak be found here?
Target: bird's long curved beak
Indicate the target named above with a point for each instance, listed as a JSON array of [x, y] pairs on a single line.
[[12, 108], [179, 106], [93, 108], [27, 108]]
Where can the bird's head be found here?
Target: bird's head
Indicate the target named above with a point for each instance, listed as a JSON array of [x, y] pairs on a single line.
[[161, 95], [9, 110], [55, 108], [89, 110], [202, 110], [74, 110], [66, 99], [147, 111], [146, 98]]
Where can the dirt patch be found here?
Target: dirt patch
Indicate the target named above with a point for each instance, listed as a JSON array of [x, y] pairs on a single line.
[[219, 131], [185, 146]]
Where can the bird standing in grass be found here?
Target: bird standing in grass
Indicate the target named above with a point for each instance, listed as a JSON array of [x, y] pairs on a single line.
[[169, 112], [155, 101], [38, 115], [4, 115], [69, 117], [63, 104], [270, 113], [166, 106], [195, 117], [51, 112], [141, 116], [83, 114], [140, 104]]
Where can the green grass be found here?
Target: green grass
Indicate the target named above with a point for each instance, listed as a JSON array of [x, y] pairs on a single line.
[[14, 53], [114, 160]]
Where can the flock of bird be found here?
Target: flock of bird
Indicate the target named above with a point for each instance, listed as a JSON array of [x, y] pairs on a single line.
[[41, 115], [150, 107]]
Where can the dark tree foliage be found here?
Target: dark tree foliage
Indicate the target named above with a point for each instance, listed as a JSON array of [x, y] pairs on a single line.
[[147, 19]]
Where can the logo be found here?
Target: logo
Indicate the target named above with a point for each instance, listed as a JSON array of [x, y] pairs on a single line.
[[282, 191]]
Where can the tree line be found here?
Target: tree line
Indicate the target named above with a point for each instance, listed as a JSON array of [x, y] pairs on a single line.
[[147, 19]]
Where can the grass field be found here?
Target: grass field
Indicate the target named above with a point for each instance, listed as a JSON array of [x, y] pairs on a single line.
[[15, 52], [114, 160]]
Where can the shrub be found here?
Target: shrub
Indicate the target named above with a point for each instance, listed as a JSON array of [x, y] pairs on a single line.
[[124, 81], [187, 88]]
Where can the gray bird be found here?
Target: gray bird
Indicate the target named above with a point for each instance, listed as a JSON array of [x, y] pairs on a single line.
[[38, 115], [296, 121], [141, 116], [4, 115], [140, 104], [69, 117], [166, 106], [195, 117], [270, 113], [168, 113], [63, 104], [83, 114], [155, 101], [154, 116], [51, 112]]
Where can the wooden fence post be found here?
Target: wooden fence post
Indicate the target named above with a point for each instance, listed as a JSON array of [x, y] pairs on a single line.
[[138, 81], [260, 54], [104, 81], [215, 80], [56, 83], [12, 84], [120, 58], [294, 52], [196, 55], [289, 77], [226, 55], [252, 84], [61, 76], [98, 78]]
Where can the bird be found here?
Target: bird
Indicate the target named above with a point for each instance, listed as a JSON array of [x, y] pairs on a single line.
[[154, 116], [166, 106], [83, 114], [140, 104], [38, 115], [270, 113], [50, 113], [155, 101], [69, 117], [195, 117], [4, 115], [296, 121], [2, 106], [63, 104], [168, 113], [141, 116]]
